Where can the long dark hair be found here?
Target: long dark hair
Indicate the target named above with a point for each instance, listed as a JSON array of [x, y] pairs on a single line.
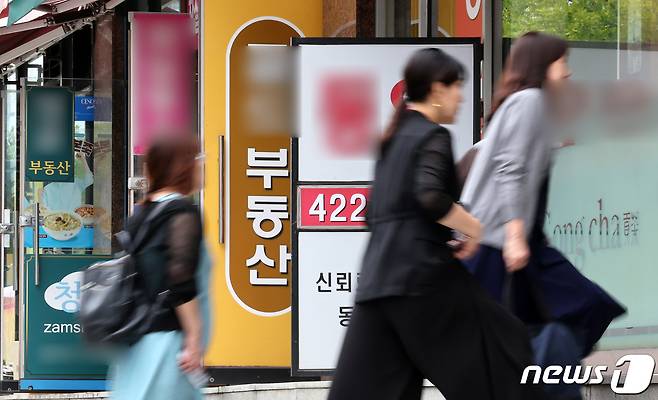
[[527, 65], [171, 162], [424, 68]]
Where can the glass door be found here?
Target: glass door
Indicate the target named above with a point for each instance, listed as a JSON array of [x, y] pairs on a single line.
[[56, 221], [9, 249]]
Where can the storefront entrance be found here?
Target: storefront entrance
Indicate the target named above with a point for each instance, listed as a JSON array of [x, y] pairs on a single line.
[[56, 221]]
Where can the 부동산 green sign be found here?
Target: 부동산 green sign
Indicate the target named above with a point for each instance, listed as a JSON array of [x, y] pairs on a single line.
[[50, 126]]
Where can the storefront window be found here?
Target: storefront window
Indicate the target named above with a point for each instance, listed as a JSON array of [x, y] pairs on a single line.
[[88, 197], [599, 212], [609, 39], [573, 19], [402, 18], [627, 21]]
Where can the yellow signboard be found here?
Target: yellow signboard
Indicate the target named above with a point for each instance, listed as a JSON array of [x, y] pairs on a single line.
[[251, 280]]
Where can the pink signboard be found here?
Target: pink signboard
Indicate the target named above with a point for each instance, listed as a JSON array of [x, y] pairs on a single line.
[[161, 77], [333, 207]]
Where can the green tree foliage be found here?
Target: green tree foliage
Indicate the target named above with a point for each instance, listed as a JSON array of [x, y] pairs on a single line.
[[584, 20]]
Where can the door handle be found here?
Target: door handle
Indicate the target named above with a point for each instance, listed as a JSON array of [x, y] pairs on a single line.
[[9, 226], [35, 243], [14, 218]]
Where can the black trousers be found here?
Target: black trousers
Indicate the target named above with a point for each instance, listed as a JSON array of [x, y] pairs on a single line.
[[458, 338]]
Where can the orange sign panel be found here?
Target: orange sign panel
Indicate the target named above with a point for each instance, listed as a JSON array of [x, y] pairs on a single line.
[[468, 18]]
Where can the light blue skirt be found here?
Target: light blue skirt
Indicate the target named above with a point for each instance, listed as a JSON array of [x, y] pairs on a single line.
[[149, 370]]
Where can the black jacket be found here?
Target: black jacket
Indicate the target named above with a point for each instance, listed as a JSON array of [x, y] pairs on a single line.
[[168, 258], [415, 185]]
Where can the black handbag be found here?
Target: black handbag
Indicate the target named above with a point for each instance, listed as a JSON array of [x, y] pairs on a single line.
[[114, 308]]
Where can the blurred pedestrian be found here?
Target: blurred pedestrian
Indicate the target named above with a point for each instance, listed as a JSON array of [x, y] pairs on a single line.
[[507, 189], [419, 313], [173, 268]]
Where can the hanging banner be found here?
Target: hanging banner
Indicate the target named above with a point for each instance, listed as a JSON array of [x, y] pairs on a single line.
[[161, 77], [49, 135]]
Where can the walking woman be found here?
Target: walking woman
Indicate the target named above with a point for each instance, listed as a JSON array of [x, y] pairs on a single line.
[[419, 313], [507, 189], [171, 263]]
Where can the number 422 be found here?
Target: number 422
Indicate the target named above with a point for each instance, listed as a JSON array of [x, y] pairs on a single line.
[[357, 199]]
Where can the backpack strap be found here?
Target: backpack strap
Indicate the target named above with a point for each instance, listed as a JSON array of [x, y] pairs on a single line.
[[124, 238]]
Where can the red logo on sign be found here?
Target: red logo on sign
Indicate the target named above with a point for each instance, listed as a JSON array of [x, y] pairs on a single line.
[[397, 92]]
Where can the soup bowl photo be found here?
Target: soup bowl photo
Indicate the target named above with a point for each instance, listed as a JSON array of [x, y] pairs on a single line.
[[62, 225]]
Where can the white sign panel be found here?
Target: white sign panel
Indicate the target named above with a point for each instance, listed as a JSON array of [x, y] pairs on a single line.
[[346, 95], [326, 286], [346, 98]]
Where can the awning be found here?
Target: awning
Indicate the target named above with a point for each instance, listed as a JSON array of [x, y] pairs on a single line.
[[17, 48], [45, 25], [21, 11], [20, 8], [51, 12]]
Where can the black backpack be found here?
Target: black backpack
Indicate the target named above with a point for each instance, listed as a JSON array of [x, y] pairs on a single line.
[[114, 309]]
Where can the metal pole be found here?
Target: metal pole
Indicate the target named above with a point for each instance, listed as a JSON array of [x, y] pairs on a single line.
[[423, 18], [380, 18], [492, 36], [401, 18], [488, 62], [618, 39], [3, 284], [19, 231], [35, 242], [497, 8], [131, 161], [433, 18], [201, 101]]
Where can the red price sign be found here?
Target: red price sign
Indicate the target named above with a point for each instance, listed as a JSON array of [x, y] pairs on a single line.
[[333, 206]]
